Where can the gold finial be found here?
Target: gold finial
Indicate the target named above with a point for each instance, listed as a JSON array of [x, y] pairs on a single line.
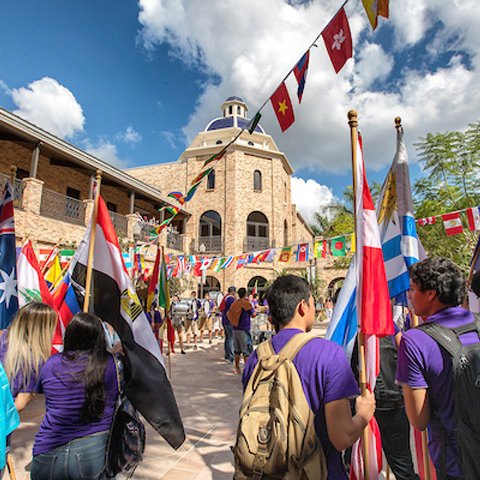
[[352, 118], [398, 122], [99, 175], [13, 174]]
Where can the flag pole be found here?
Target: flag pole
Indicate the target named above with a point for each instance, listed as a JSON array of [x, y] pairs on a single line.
[[352, 121], [167, 301], [424, 433], [88, 280]]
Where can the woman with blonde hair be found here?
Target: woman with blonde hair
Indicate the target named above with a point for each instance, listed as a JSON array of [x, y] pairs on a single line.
[[24, 348]]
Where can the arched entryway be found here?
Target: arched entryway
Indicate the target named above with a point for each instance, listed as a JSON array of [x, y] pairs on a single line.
[[260, 281]]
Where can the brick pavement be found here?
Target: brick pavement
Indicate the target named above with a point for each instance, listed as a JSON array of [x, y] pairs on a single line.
[[208, 396]]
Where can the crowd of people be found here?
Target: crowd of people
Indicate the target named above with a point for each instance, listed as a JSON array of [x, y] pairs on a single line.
[[81, 383]]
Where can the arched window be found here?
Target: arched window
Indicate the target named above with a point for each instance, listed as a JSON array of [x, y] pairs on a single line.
[[210, 232], [260, 282], [239, 110], [230, 110], [211, 180], [218, 142], [257, 232], [257, 180]]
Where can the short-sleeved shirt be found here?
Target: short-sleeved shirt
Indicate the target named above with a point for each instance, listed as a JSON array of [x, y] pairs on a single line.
[[18, 384], [228, 303], [244, 321], [64, 397], [326, 376], [423, 364]]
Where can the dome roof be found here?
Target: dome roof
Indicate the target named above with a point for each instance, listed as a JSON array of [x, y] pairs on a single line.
[[232, 117]]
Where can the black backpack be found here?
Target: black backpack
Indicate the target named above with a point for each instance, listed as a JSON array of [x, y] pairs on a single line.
[[466, 389]]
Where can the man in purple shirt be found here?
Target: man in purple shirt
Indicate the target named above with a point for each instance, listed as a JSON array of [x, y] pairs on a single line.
[[437, 287], [326, 376]]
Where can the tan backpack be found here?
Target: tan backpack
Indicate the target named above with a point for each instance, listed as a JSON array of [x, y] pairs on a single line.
[[276, 436]]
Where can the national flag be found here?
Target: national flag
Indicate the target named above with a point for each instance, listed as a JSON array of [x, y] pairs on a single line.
[[126, 260], [153, 286], [196, 269], [114, 300], [169, 271], [338, 247], [66, 257], [252, 124], [427, 221], [352, 243], [178, 196], [317, 249], [270, 256], [282, 107], [8, 269], [205, 263], [452, 223], [164, 302], [54, 274], [181, 262], [191, 192], [228, 262], [374, 314], [338, 40], [241, 261], [374, 9], [256, 257], [193, 259], [159, 228], [285, 254], [168, 258], [300, 71], [255, 288], [201, 175], [396, 224], [302, 252], [31, 284], [473, 215], [46, 257], [216, 157]]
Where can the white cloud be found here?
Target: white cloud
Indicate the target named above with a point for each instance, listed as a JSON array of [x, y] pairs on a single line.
[[250, 46], [50, 106], [106, 151], [309, 197], [129, 136]]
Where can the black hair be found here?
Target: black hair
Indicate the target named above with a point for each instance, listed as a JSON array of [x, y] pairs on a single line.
[[476, 284], [441, 275], [255, 295], [231, 289], [242, 292], [283, 296], [85, 337]]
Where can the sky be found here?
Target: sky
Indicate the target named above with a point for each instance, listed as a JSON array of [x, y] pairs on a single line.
[[133, 83]]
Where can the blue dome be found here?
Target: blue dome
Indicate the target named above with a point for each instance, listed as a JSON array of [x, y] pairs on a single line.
[[243, 122], [233, 99], [219, 123]]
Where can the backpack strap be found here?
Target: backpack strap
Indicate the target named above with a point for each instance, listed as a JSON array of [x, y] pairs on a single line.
[[265, 349], [293, 346]]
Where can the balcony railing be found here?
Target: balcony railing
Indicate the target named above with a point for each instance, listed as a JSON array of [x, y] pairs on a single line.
[[120, 222], [175, 241], [208, 244], [61, 207], [254, 244], [17, 191]]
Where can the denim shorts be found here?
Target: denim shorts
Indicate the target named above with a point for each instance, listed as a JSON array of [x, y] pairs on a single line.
[[80, 459]]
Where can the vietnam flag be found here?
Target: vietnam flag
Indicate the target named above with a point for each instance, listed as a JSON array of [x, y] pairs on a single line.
[[338, 40], [282, 106]]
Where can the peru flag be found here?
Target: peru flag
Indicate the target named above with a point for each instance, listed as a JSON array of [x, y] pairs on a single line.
[[374, 313], [473, 215], [452, 223]]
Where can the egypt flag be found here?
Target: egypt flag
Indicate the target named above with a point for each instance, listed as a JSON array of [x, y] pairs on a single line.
[[114, 300]]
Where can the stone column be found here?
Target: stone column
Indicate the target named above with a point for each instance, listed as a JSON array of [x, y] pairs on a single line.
[[32, 195]]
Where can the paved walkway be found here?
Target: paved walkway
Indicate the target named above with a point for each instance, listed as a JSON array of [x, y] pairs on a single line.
[[208, 394]]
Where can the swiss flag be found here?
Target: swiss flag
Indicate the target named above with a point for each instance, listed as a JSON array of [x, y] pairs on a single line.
[[338, 40], [282, 105]]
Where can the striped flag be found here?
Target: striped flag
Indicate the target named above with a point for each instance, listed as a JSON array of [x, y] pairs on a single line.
[[114, 300], [153, 287], [181, 262], [228, 262], [452, 223], [473, 215]]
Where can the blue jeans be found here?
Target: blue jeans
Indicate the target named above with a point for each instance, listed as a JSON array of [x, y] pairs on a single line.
[[228, 342], [80, 459]]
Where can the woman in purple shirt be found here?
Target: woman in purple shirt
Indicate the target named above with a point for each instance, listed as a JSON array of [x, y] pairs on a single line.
[[80, 387]]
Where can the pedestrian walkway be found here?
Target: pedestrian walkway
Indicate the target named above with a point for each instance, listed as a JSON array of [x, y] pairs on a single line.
[[208, 394]]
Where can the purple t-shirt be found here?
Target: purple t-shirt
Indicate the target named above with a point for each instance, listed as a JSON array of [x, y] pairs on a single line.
[[18, 384], [326, 376], [244, 321], [64, 398], [228, 303], [423, 364]]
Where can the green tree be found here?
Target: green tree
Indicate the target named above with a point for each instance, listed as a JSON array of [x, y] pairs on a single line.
[[449, 182]]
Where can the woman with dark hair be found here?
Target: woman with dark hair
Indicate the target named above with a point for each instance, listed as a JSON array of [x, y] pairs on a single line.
[[80, 386]]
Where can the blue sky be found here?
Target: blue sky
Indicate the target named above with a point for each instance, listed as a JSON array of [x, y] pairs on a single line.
[[133, 83]]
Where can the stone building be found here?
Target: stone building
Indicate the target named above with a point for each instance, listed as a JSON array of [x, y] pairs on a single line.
[[245, 203]]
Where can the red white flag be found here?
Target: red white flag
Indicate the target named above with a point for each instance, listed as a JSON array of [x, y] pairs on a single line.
[[452, 222], [473, 215], [282, 105], [427, 220], [338, 40], [302, 252], [373, 309]]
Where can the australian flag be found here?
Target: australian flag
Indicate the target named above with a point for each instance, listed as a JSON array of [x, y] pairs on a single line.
[[8, 256], [300, 72]]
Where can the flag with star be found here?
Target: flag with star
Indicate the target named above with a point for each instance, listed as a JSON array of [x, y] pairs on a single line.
[[338, 40], [282, 105], [8, 270]]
